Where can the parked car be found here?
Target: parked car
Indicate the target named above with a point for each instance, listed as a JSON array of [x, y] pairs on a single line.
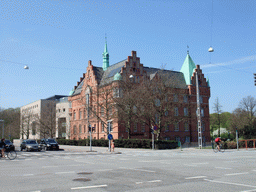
[[49, 144], [9, 144], [30, 145]]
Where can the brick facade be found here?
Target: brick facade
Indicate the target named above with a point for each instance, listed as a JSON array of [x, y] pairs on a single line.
[[96, 82]]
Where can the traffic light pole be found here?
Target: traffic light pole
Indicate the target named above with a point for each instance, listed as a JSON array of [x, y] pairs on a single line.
[[153, 137]]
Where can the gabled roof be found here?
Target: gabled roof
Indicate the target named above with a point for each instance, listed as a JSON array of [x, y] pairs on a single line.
[[174, 79], [187, 69], [108, 75]]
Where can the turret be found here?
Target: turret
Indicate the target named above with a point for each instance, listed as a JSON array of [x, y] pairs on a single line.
[[105, 57]]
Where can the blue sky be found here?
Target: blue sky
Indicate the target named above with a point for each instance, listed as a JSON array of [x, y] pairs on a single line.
[[56, 38]]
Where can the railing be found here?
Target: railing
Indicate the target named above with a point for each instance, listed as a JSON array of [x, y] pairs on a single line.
[[246, 142]]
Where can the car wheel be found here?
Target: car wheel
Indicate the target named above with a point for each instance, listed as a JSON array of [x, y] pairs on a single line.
[[21, 149], [27, 149]]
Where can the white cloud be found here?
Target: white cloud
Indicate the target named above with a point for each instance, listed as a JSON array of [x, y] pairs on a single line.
[[236, 61]]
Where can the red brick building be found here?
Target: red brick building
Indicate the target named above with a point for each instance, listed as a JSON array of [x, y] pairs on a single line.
[[95, 86]]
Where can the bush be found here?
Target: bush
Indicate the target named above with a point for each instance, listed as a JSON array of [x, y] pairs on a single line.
[[125, 143]]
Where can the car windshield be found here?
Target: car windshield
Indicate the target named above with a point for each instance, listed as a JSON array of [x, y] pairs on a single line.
[[50, 141], [8, 142], [31, 142]]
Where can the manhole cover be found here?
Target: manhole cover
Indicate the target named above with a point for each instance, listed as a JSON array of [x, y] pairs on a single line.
[[81, 179], [85, 173]]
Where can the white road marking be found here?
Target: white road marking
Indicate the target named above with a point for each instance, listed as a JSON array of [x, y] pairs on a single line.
[[88, 187], [230, 183], [154, 181], [65, 172], [28, 174], [190, 165], [28, 159], [222, 168], [138, 182], [138, 169], [49, 166], [105, 170], [200, 163], [236, 174], [249, 190], [196, 177]]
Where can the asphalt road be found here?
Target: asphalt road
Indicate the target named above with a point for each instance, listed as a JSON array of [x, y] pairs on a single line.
[[75, 169]]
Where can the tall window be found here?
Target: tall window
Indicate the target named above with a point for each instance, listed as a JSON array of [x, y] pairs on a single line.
[[74, 131], [74, 115], [175, 98], [176, 111], [110, 111], [203, 126], [102, 127], [80, 114], [176, 126], [157, 118], [143, 127], [201, 99], [185, 111], [185, 98], [84, 113], [157, 102], [134, 109], [177, 138], [84, 129], [135, 127], [80, 128], [167, 127], [186, 126], [202, 112], [187, 139]]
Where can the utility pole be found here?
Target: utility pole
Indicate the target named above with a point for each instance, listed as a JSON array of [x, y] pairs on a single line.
[[88, 122], [153, 137], [254, 79], [2, 128], [199, 123]]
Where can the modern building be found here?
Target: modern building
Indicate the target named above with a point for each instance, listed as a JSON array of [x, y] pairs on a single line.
[[87, 105], [63, 118], [38, 119]]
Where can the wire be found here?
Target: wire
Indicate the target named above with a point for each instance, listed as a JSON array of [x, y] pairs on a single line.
[[41, 65]]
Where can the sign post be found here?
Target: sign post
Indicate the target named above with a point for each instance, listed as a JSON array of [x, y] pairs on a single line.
[[109, 135], [237, 139]]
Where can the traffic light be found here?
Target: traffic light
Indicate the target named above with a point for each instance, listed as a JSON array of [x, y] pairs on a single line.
[[254, 79], [89, 128], [152, 130], [93, 129]]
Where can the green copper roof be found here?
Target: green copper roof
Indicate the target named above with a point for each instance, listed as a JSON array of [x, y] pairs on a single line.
[[208, 83], [187, 69], [71, 92], [105, 55], [117, 77]]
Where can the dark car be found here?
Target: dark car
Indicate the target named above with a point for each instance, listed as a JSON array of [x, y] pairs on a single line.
[[9, 144], [49, 144], [30, 145]]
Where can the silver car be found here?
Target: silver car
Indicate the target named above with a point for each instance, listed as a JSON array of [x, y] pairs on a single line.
[[30, 145]]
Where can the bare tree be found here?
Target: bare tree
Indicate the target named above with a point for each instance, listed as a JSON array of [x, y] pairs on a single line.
[[126, 101], [217, 109], [248, 104], [243, 117], [27, 116], [47, 120], [11, 119]]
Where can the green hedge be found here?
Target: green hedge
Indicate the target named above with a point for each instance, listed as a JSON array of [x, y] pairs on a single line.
[[122, 143]]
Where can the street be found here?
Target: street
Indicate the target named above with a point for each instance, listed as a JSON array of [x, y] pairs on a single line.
[[75, 169]]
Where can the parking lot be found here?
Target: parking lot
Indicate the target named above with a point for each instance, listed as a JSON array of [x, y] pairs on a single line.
[[75, 169]]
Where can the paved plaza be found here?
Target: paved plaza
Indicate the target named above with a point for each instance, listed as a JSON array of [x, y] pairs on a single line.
[[76, 169]]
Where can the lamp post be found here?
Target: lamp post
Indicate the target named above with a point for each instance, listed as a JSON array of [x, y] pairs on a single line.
[[109, 130], [88, 123], [2, 128]]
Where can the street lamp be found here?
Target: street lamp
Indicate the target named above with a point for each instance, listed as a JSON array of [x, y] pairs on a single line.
[[2, 128]]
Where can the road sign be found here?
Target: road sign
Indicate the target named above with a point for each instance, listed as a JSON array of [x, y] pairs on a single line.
[[155, 127], [110, 137]]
